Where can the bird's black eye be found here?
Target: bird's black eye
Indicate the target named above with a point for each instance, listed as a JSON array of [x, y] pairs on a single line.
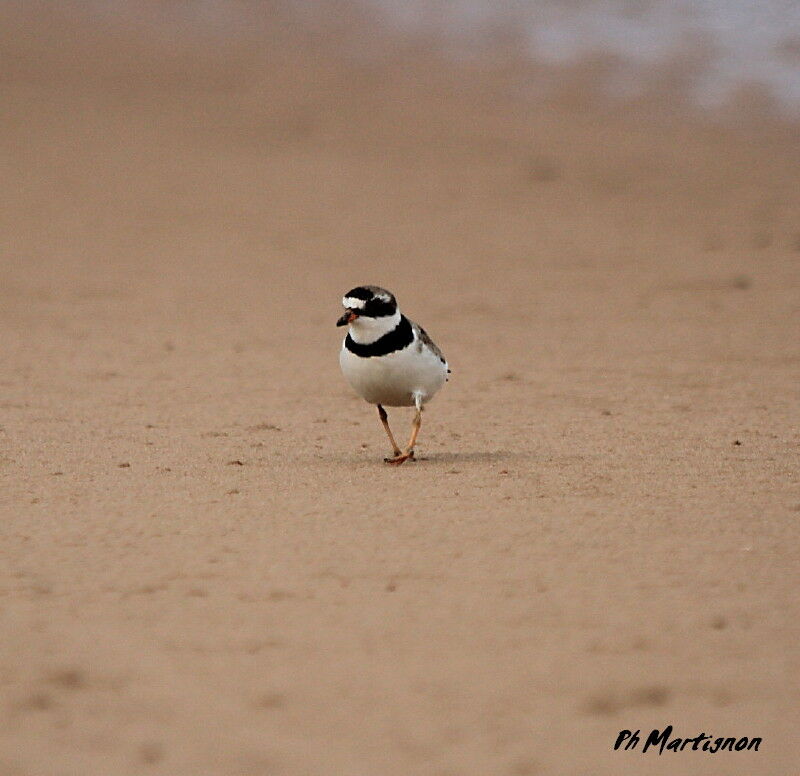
[[378, 308]]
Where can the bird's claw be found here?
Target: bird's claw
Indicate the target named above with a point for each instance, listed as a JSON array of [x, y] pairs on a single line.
[[400, 458]]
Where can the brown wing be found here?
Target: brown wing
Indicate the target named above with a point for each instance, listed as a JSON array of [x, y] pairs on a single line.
[[424, 339]]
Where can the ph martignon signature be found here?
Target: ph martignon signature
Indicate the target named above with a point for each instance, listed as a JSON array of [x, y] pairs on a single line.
[[662, 741]]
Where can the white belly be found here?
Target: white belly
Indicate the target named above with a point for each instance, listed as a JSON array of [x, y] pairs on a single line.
[[394, 379]]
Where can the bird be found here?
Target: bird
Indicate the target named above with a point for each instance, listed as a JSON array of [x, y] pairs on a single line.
[[389, 360]]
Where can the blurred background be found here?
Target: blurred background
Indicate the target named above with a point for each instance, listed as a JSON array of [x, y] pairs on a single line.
[[712, 52], [592, 206]]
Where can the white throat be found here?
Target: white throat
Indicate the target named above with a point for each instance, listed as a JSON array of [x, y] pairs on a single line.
[[366, 330]]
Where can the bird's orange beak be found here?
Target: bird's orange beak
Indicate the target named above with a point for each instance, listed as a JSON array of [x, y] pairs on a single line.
[[348, 317]]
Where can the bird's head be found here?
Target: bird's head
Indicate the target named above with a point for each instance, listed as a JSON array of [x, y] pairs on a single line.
[[370, 312]]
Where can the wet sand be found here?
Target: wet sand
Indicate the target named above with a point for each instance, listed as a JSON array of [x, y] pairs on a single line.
[[205, 566]]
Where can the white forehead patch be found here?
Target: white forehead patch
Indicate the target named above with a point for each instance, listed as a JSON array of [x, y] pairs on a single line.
[[351, 303]]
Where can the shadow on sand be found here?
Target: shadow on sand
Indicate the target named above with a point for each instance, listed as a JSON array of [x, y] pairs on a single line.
[[474, 456]]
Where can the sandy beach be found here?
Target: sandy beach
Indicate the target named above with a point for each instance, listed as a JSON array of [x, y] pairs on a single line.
[[205, 567]]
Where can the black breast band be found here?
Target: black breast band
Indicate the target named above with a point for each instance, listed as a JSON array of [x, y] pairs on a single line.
[[398, 338]]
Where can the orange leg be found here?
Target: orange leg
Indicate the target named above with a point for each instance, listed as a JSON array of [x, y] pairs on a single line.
[[385, 420], [409, 451]]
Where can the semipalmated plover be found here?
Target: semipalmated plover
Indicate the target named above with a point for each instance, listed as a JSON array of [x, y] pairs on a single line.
[[388, 359]]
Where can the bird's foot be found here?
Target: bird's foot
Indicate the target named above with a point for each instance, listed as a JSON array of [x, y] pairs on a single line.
[[400, 458]]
